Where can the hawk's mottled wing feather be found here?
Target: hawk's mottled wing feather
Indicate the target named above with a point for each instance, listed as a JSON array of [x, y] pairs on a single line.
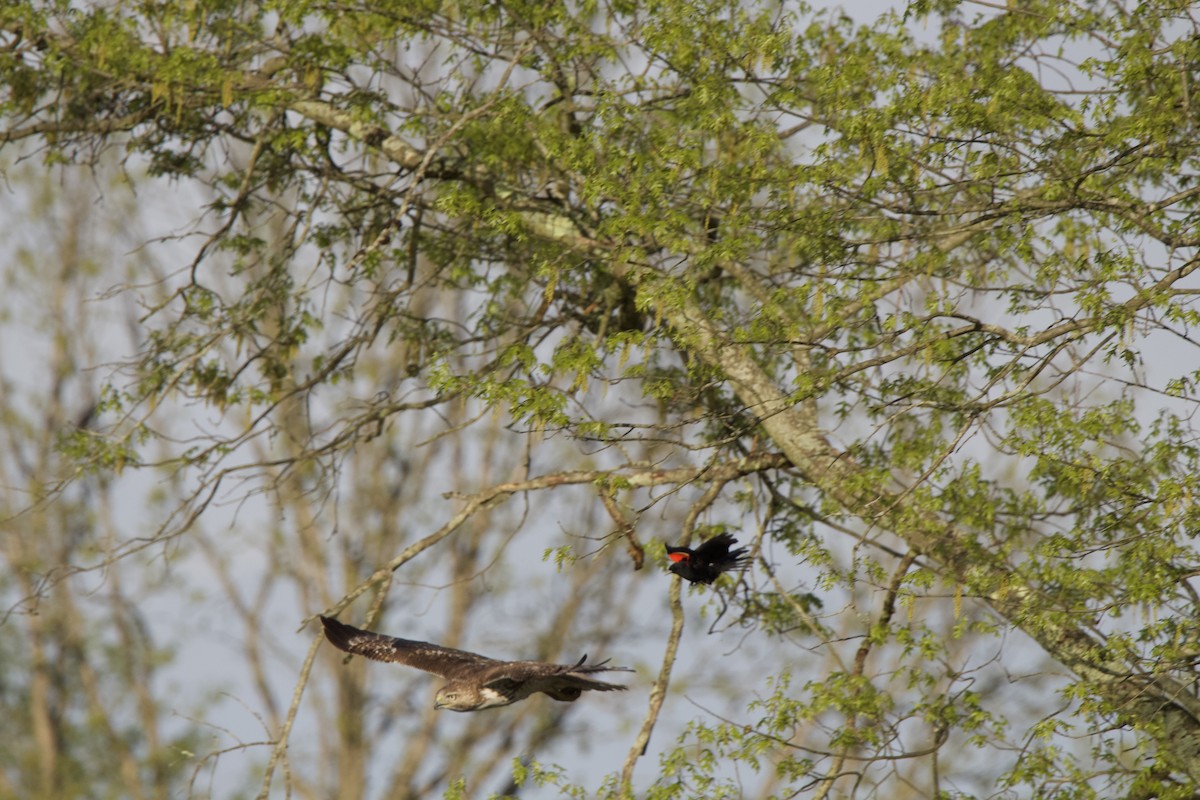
[[444, 661]]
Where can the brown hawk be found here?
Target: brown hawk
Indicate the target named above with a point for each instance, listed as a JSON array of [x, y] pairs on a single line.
[[473, 682]]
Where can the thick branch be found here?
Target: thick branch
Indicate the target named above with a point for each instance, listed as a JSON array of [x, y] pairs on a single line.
[[1140, 698]]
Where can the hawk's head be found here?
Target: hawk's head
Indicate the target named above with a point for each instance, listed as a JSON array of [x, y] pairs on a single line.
[[460, 697]]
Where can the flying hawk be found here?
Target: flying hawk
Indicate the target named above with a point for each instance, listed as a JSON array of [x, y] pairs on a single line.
[[709, 560], [473, 681]]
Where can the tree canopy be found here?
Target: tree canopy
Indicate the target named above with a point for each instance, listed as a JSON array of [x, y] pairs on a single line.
[[904, 302]]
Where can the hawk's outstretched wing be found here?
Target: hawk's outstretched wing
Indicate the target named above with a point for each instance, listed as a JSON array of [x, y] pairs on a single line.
[[444, 661]]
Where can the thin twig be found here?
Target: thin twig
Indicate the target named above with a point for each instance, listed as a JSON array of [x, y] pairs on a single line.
[[860, 665], [281, 743], [494, 495], [658, 692]]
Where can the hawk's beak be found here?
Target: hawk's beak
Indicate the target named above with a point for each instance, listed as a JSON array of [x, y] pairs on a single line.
[[437, 704]]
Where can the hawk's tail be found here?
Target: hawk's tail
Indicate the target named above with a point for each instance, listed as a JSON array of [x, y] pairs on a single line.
[[582, 668]]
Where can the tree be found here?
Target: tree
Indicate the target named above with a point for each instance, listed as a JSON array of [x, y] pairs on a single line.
[[907, 303], [80, 709]]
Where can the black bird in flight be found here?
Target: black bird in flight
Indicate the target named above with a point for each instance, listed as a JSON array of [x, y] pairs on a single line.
[[709, 560], [473, 682]]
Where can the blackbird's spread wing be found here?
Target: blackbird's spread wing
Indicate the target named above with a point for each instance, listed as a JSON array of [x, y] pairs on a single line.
[[716, 549], [444, 661]]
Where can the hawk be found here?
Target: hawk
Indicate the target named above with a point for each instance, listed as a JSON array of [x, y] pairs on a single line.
[[709, 560], [474, 682]]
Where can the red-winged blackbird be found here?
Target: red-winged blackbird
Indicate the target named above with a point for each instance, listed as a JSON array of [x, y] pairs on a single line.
[[709, 560]]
